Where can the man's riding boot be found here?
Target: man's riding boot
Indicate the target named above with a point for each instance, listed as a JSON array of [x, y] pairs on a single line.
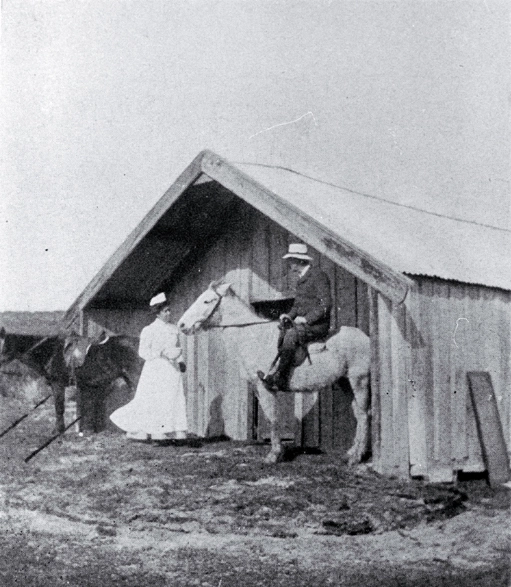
[[280, 379]]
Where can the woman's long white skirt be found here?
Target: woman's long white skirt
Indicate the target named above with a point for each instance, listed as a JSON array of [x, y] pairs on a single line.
[[159, 405]]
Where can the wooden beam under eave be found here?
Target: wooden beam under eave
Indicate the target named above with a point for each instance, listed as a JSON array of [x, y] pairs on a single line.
[[392, 284], [189, 175]]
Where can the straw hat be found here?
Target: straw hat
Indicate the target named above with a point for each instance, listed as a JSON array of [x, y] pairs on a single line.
[[297, 251], [158, 299]]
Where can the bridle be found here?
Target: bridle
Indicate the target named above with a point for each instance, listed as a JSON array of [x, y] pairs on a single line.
[[215, 307]]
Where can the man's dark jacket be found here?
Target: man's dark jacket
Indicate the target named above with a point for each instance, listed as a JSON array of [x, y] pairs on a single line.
[[313, 300]]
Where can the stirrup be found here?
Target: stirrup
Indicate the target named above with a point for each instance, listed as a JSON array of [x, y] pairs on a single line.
[[270, 386]]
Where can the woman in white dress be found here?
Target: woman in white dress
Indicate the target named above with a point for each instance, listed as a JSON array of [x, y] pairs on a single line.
[[158, 410]]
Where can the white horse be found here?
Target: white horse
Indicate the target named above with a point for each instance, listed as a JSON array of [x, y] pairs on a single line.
[[254, 340]]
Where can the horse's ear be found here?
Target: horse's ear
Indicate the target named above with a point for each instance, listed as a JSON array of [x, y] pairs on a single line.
[[214, 284], [223, 288]]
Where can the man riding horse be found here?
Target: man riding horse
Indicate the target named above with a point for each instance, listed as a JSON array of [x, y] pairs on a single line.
[[308, 319]]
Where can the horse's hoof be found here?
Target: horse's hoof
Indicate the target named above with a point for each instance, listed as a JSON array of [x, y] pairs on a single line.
[[273, 457], [354, 460], [353, 457]]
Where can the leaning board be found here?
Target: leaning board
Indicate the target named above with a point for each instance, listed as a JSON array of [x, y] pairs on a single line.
[[489, 427]]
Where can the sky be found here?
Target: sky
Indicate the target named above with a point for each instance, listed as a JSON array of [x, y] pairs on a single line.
[[105, 102]]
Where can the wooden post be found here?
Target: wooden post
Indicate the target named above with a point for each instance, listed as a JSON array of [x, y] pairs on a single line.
[[489, 427], [374, 335]]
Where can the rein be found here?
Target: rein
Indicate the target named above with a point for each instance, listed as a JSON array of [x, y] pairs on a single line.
[[240, 325]]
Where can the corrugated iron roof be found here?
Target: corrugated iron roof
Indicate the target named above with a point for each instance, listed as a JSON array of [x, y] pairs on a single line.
[[408, 240], [32, 323]]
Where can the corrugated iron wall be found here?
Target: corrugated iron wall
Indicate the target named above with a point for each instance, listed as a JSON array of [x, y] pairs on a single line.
[[424, 350]]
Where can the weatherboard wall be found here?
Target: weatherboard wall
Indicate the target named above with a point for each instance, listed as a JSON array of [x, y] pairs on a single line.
[[248, 254], [422, 351]]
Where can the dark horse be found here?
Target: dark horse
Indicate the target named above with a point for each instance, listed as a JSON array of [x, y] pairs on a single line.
[[90, 364]]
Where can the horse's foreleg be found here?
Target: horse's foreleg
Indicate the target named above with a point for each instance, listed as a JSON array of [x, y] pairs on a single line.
[[277, 452], [270, 404], [59, 397], [360, 405]]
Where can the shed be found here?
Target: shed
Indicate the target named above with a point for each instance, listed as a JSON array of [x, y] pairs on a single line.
[[432, 292]]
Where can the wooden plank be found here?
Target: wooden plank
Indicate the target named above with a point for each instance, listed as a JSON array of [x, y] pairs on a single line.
[[475, 460], [504, 337], [325, 409], [374, 337], [494, 347], [390, 283], [246, 392], [298, 418], [386, 415], [259, 290], [234, 387], [473, 362], [329, 268], [426, 312], [191, 384], [215, 409], [202, 381], [400, 356], [290, 279], [343, 421], [460, 343], [277, 272], [245, 252], [346, 297], [221, 407], [441, 322], [260, 259], [238, 387], [439, 318], [416, 389], [489, 427], [362, 293], [288, 418], [222, 402], [231, 255], [310, 420]]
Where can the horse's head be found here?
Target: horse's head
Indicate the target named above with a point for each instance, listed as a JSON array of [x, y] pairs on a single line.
[[202, 311], [75, 349]]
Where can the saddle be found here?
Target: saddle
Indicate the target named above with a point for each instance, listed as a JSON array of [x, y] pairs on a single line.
[[316, 347], [76, 349], [305, 350]]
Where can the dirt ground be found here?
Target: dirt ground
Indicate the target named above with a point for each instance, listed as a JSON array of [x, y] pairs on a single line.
[[106, 511]]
